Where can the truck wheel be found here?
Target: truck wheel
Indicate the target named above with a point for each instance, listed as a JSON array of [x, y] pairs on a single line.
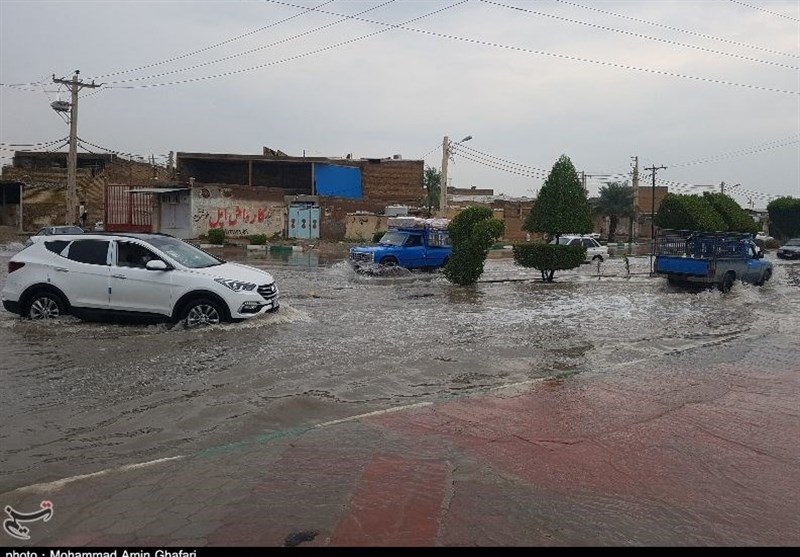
[[767, 276], [389, 261], [727, 281]]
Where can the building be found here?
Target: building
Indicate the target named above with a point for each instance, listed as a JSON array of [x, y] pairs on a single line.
[[40, 182], [279, 195], [272, 194]]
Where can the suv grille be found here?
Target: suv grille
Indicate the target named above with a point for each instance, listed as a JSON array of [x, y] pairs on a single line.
[[268, 291], [357, 256]]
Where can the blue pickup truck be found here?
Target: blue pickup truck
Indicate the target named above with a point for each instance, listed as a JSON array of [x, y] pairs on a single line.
[[410, 242], [710, 258]]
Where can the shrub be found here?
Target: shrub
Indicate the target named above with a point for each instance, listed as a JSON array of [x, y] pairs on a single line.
[[549, 258], [472, 232], [377, 236], [216, 236], [258, 239], [767, 244]]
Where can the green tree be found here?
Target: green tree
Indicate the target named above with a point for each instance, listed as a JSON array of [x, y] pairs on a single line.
[[784, 217], [549, 258], [561, 206], [736, 219], [616, 202], [688, 212], [472, 232], [432, 180]]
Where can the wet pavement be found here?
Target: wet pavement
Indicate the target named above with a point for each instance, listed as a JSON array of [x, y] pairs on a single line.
[[402, 410]]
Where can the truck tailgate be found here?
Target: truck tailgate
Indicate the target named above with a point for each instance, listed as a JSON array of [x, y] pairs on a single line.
[[686, 266]]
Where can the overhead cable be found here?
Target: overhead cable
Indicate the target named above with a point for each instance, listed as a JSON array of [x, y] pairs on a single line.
[[769, 146], [765, 11], [639, 35], [252, 50], [221, 43], [296, 57], [679, 30]]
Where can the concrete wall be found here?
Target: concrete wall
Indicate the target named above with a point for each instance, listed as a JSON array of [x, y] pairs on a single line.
[[362, 228], [240, 211]]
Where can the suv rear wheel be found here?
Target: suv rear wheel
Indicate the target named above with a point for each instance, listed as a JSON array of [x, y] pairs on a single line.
[[201, 312], [44, 305]]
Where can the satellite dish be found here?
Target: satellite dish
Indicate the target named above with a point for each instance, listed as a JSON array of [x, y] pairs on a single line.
[[61, 106]]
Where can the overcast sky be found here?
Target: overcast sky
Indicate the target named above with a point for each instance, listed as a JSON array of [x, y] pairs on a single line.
[[709, 89]]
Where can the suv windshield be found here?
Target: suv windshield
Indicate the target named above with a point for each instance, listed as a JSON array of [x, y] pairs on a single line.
[[184, 253], [393, 238]]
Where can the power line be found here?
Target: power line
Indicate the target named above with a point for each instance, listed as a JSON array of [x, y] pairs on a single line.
[[765, 11], [679, 30], [481, 154], [253, 50], [505, 167], [639, 35], [222, 43], [298, 56], [460, 39], [769, 146], [435, 147]]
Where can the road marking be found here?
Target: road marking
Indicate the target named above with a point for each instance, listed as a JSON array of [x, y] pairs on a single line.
[[58, 484]]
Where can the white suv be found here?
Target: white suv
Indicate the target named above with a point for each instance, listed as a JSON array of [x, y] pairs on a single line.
[[133, 274], [594, 250]]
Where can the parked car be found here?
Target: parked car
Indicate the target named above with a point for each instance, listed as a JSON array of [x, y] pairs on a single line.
[[152, 275], [53, 231], [790, 250], [594, 250]]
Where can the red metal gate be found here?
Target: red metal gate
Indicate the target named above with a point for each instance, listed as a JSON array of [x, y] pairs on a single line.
[[127, 210]]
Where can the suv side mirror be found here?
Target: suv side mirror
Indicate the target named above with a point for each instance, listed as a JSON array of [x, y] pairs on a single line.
[[156, 265]]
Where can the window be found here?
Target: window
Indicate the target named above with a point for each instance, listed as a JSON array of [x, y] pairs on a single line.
[[93, 252], [575, 242], [56, 246], [589, 243], [413, 240], [130, 254]]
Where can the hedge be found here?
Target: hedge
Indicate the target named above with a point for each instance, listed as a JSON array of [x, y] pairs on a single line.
[[549, 258]]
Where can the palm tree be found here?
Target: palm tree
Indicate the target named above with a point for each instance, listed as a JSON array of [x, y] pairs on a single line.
[[615, 202]]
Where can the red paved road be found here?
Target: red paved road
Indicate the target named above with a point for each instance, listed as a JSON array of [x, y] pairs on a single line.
[[670, 452]]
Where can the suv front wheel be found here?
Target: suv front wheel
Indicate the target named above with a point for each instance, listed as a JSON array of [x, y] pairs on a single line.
[[201, 312]]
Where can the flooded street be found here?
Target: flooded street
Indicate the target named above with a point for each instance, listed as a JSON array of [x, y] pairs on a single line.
[[82, 397]]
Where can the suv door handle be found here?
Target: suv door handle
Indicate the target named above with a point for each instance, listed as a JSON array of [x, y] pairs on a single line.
[[119, 276], [62, 269]]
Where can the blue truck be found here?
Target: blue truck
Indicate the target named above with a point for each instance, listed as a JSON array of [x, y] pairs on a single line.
[[710, 258], [410, 242]]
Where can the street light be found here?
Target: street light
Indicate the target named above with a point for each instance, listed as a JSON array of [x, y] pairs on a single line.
[[443, 185]]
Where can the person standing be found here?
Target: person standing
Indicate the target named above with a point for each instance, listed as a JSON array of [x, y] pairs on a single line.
[[83, 214]]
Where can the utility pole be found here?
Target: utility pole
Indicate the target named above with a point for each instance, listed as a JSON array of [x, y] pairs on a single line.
[[653, 169], [74, 86], [443, 184], [635, 181], [722, 188]]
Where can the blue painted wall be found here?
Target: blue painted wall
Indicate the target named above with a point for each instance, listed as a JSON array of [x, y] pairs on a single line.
[[338, 181]]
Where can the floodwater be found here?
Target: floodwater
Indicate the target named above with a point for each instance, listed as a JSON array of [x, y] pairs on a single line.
[[79, 397]]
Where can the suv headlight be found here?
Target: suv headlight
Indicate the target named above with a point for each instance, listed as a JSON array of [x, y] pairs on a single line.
[[236, 285]]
